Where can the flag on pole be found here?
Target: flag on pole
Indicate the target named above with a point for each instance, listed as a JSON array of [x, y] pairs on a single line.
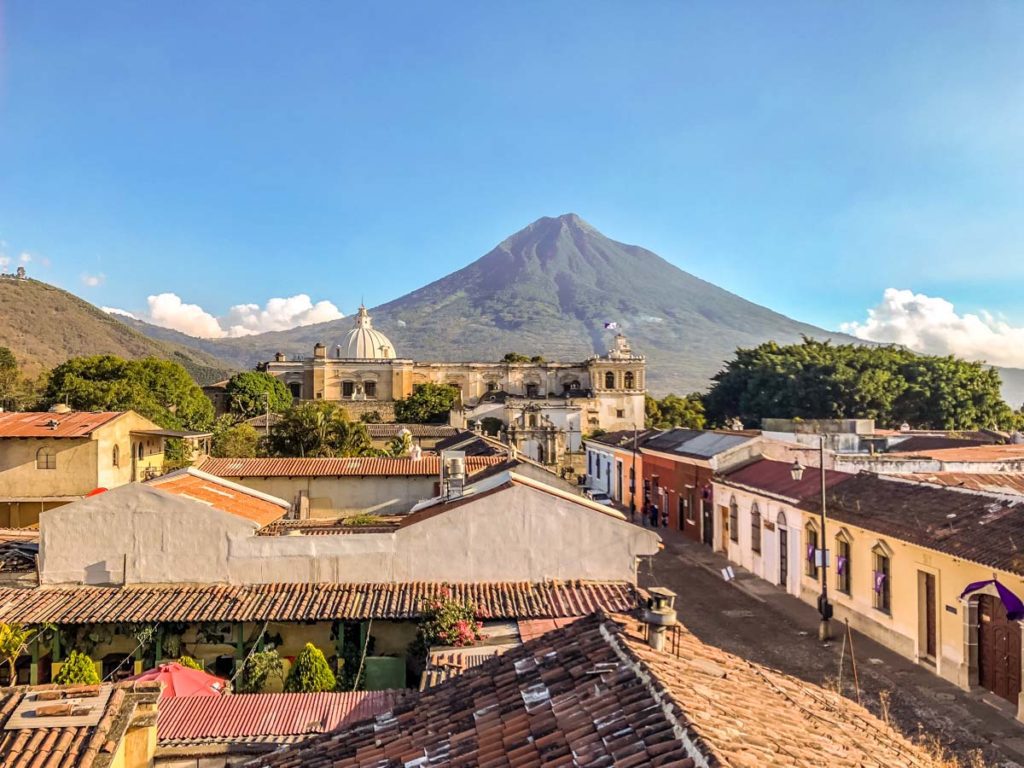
[[611, 326]]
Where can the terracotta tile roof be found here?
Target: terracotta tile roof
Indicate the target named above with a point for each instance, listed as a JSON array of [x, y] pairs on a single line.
[[302, 602], [594, 694], [448, 663], [350, 467], [37, 424], [990, 482], [81, 746], [226, 496], [530, 629], [979, 453], [935, 442], [985, 528], [18, 534], [265, 717], [387, 431], [331, 527], [774, 478]]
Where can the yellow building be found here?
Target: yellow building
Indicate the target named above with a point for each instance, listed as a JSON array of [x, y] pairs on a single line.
[[900, 556], [51, 458], [545, 407]]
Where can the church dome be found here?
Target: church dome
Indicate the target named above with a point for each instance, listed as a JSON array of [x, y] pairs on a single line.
[[364, 343]]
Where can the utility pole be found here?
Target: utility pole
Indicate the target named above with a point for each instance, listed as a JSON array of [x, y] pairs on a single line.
[[824, 606]]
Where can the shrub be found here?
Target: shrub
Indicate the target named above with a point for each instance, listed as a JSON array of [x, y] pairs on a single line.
[[363, 518], [77, 670], [310, 673], [449, 622], [257, 670], [188, 661]]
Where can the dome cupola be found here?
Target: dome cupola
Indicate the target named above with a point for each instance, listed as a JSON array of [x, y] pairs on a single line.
[[365, 343]]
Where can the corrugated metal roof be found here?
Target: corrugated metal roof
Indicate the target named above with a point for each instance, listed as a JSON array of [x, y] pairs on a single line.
[[40, 423], [265, 715], [346, 467], [383, 431], [774, 477], [306, 602], [700, 444], [221, 495], [974, 453]]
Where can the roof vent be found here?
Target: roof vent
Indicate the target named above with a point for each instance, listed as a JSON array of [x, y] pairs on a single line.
[[659, 616]]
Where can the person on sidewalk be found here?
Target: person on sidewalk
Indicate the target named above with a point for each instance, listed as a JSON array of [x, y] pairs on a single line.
[[654, 515]]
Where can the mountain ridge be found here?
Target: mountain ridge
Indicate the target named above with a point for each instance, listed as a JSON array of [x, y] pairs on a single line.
[[548, 290]]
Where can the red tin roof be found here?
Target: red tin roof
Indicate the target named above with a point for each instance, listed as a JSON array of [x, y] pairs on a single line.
[[347, 467], [223, 495], [265, 716], [775, 478], [46, 424]]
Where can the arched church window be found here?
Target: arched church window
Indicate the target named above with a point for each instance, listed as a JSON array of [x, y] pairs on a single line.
[[370, 389], [629, 379], [115, 457], [609, 380]]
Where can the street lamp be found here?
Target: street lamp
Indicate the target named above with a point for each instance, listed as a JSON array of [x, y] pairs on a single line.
[[824, 606]]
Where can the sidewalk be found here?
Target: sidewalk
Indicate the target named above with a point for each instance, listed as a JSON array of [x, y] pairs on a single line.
[[754, 619]]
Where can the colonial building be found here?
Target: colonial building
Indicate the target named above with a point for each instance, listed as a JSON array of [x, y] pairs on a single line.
[[51, 458], [614, 462], [678, 467], [931, 572], [544, 408]]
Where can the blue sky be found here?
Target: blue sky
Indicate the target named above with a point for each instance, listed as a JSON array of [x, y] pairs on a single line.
[[807, 156]]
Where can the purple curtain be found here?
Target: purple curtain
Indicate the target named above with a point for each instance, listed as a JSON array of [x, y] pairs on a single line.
[[1013, 604], [879, 581], [810, 553], [841, 564]]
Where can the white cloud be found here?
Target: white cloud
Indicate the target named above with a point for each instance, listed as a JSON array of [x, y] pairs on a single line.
[[5, 261], [25, 257], [279, 314], [116, 311], [931, 325], [93, 281]]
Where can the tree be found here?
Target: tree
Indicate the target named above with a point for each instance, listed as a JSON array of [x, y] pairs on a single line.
[[819, 380], [231, 440], [10, 377], [515, 357], [674, 411], [160, 390], [429, 403], [14, 640], [310, 673], [318, 429], [79, 669], [248, 392], [449, 622], [257, 669]]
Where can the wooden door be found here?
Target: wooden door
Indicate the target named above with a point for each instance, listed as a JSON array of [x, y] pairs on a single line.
[[723, 515], [784, 558], [930, 631], [706, 524], [998, 649]]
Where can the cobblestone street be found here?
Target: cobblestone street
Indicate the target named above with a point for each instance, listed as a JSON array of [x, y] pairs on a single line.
[[753, 619]]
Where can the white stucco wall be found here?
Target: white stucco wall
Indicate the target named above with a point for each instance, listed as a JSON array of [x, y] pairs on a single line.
[[517, 533], [137, 534], [767, 563], [342, 496]]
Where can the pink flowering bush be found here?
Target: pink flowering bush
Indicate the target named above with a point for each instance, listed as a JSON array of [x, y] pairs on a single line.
[[446, 621]]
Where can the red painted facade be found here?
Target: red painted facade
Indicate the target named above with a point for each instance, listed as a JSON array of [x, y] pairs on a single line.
[[682, 487]]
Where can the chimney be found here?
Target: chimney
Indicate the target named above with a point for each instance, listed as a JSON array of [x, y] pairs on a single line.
[[659, 616], [320, 351], [279, 357]]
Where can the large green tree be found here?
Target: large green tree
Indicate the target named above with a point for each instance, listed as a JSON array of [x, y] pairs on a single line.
[[10, 378], [160, 390], [318, 429], [674, 411], [234, 440], [248, 393], [429, 403], [820, 380]]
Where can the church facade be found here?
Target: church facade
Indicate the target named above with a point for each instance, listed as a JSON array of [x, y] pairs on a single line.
[[544, 408]]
